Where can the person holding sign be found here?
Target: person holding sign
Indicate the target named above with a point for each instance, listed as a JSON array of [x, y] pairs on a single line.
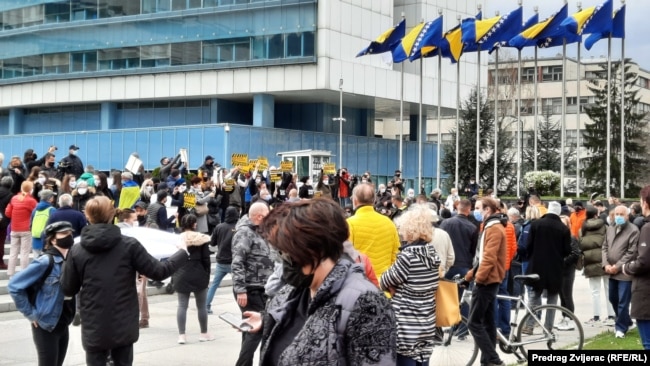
[[306, 191], [323, 185], [200, 199]]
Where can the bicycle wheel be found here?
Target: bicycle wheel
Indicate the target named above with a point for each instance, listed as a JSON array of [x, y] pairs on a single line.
[[565, 330], [458, 347]]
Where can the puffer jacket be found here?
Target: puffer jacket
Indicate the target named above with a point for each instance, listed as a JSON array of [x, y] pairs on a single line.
[[101, 268], [592, 236], [374, 235], [251, 260], [640, 272], [19, 210], [194, 275], [369, 336]]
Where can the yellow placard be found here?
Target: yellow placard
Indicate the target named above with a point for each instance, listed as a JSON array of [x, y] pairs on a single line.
[[229, 185], [264, 162], [252, 164], [189, 200], [276, 175], [286, 166], [329, 168], [318, 194], [240, 160]]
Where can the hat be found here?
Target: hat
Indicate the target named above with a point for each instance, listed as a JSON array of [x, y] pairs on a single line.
[[58, 227], [554, 208], [578, 205], [73, 147], [178, 182], [141, 204], [46, 194], [565, 211], [209, 157]]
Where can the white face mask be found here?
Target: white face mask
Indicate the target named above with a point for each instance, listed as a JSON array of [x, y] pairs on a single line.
[[326, 182], [74, 152], [411, 194], [382, 190], [96, 178], [73, 184], [148, 188], [82, 191], [41, 180]]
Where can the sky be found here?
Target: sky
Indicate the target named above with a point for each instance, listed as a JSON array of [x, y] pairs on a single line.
[[637, 43]]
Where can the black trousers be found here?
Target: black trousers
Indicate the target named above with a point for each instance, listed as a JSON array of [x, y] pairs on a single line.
[[566, 292], [51, 346], [122, 356], [481, 322], [250, 341]]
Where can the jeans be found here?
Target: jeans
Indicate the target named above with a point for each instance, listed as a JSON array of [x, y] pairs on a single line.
[[181, 312], [122, 356], [620, 294], [250, 341], [644, 331], [502, 308], [407, 361], [51, 347], [220, 272], [21, 242], [481, 322], [566, 292], [594, 285], [536, 300]]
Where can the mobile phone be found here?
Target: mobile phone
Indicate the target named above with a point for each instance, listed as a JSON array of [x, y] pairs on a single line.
[[236, 321]]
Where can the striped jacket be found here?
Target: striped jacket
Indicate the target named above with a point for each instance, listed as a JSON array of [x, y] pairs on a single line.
[[414, 276]]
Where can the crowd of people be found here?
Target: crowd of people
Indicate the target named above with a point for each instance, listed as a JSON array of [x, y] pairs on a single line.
[[343, 270]]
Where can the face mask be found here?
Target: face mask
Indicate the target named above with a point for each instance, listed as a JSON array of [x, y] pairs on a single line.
[[149, 188], [326, 182], [41, 180], [74, 152], [292, 275], [267, 197], [65, 243], [382, 190], [619, 220], [411, 195], [478, 215], [82, 191], [96, 178], [72, 184], [258, 181], [182, 187], [364, 181]]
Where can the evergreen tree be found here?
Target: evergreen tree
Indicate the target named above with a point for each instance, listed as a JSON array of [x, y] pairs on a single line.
[[467, 148], [595, 137]]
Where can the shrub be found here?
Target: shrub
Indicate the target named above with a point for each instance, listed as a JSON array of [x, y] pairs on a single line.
[[546, 182]]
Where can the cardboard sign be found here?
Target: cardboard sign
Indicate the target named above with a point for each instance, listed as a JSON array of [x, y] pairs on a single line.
[[184, 156], [230, 185], [264, 162], [286, 166], [329, 168], [189, 200], [133, 164], [318, 194], [240, 160], [252, 164], [275, 175]]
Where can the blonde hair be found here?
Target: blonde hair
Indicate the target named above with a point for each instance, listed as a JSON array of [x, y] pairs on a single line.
[[100, 210], [532, 213], [416, 224]]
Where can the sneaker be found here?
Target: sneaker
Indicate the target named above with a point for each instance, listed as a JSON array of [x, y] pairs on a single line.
[[568, 325], [77, 320], [632, 326], [610, 321], [181, 339], [561, 323], [620, 334], [206, 337], [593, 322]]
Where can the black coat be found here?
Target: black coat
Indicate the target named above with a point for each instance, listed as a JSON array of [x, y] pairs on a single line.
[[194, 275], [222, 236], [549, 242], [102, 270], [71, 164], [5, 197]]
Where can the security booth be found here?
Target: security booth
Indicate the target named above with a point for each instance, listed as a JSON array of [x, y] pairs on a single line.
[[307, 162]]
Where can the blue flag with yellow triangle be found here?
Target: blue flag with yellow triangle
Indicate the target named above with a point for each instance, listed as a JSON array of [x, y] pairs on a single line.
[[617, 31], [487, 33], [591, 20], [547, 28], [386, 41], [423, 38], [529, 23]]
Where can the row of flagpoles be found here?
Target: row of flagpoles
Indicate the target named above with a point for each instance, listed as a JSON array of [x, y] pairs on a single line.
[[475, 35]]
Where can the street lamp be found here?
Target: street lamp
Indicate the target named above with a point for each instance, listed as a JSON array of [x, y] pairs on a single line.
[[341, 120]]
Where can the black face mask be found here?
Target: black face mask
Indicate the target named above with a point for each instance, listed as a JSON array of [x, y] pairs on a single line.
[[292, 275], [65, 243]]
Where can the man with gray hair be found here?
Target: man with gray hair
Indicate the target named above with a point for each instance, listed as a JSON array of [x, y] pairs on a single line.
[[65, 212]]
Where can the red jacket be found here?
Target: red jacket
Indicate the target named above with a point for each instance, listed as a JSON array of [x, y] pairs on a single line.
[[344, 188], [19, 210]]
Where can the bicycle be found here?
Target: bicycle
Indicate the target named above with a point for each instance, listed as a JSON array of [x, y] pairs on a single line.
[[457, 346]]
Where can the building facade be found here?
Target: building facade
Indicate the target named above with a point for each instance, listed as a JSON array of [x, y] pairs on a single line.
[[153, 76]]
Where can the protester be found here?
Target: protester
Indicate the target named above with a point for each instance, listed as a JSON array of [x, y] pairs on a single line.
[[106, 259], [71, 164], [222, 239], [19, 211], [48, 312], [568, 278], [39, 219]]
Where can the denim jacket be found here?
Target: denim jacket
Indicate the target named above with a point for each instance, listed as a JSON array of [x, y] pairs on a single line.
[[49, 300]]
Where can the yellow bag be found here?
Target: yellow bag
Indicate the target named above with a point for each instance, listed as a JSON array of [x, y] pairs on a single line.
[[447, 305]]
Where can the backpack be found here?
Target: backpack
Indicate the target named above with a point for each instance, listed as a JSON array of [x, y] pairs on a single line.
[[39, 221], [33, 290]]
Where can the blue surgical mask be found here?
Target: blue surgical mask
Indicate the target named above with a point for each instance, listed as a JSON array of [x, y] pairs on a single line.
[[478, 215], [619, 220]]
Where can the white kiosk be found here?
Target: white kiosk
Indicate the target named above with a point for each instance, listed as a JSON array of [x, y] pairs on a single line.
[[307, 162]]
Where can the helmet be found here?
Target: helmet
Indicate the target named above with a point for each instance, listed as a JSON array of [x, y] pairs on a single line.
[[58, 227]]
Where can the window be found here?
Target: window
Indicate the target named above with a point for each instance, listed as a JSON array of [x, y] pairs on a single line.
[[119, 58], [83, 9], [117, 8], [185, 4], [294, 45], [308, 44], [155, 6], [57, 63], [12, 68], [154, 56], [57, 12], [260, 48], [552, 106], [84, 61], [32, 65], [276, 46], [188, 53], [12, 19], [552, 73], [528, 75], [32, 15]]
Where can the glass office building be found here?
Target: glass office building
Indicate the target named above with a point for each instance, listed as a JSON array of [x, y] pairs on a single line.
[[146, 75]]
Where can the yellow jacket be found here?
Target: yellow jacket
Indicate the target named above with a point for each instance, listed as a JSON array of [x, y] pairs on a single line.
[[374, 235]]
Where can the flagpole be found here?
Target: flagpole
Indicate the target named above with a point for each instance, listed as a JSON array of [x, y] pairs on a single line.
[[420, 134], [401, 109], [496, 117], [623, 117], [519, 147], [439, 119], [478, 113], [609, 112], [536, 112], [563, 122], [578, 124], [456, 184]]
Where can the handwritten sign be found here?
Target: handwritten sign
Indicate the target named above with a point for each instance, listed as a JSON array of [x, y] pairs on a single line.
[[264, 162], [240, 160], [286, 166], [276, 175], [329, 168], [189, 200]]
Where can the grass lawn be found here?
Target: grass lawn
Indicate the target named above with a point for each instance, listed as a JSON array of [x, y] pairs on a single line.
[[606, 340]]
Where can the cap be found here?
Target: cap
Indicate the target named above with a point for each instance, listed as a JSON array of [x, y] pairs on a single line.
[[58, 227], [46, 194], [73, 147], [554, 208], [178, 182], [141, 204], [209, 157], [578, 205]]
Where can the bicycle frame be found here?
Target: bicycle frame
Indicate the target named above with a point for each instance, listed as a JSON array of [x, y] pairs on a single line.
[[511, 340]]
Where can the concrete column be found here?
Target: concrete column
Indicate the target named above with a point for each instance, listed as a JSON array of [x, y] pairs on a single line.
[[108, 115], [263, 110], [16, 118]]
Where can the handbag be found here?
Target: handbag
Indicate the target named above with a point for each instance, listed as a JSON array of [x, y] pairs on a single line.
[[447, 305], [201, 210]]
